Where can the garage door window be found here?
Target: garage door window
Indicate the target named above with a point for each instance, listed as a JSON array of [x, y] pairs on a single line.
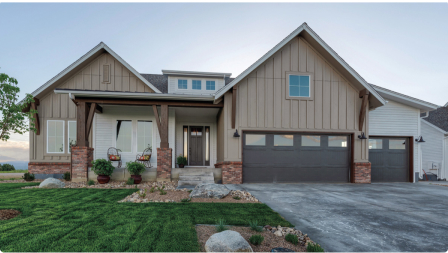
[[337, 141], [397, 144], [283, 140], [375, 144], [310, 141], [255, 139]]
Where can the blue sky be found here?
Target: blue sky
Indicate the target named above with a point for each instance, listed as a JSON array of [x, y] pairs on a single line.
[[402, 47]]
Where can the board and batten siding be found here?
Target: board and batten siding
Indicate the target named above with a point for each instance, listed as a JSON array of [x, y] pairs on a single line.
[[396, 119], [433, 147], [60, 107], [172, 85], [262, 104]]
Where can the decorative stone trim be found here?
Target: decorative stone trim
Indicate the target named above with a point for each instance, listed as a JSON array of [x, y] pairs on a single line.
[[164, 164], [232, 172], [363, 173], [82, 158], [48, 168]]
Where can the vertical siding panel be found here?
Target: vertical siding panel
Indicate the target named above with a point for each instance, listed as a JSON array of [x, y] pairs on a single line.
[[111, 62], [286, 103], [278, 90], [302, 56], [242, 92], [302, 114], [326, 104], [318, 69], [56, 105], [126, 85], [310, 104], [342, 105], [95, 67], [326, 72], [118, 72], [318, 104], [252, 100], [132, 83], [261, 97], [350, 108], [102, 61], [295, 55], [64, 105], [334, 104], [295, 113], [141, 85], [269, 73], [87, 78], [78, 81]]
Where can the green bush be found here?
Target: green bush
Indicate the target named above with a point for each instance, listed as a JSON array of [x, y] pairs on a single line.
[[189, 191], [130, 181], [292, 239], [254, 226], [91, 182], [28, 177], [221, 225], [66, 176], [102, 167], [135, 168], [236, 197], [142, 195], [181, 160], [185, 200], [152, 189], [7, 167], [256, 239], [314, 247], [162, 192]]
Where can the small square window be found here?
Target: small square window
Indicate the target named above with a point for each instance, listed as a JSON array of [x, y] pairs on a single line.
[[182, 84], [337, 141], [375, 144], [196, 84], [210, 85], [255, 140], [310, 141], [397, 144], [283, 140], [299, 86]]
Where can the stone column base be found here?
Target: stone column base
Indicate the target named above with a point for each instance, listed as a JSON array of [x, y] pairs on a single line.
[[363, 173], [164, 164], [232, 172], [81, 161]]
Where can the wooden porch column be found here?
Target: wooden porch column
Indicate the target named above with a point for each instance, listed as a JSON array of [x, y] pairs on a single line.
[[364, 94], [81, 123], [162, 124], [233, 107]]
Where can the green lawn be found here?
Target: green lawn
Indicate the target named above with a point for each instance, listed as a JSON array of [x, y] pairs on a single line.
[[92, 220], [14, 171]]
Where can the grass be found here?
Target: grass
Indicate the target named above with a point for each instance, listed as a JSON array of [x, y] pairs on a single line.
[[92, 220], [14, 171], [12, 178]]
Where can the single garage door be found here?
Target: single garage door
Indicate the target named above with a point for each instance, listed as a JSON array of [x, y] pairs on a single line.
[[284, 158], [389, 158]]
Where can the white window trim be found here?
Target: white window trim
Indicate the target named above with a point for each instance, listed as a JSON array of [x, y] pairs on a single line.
[[200, 81], [177, 83], [133, 135], [209, 81], [63, 138], [152, 135], [68, 135], [311, 87]]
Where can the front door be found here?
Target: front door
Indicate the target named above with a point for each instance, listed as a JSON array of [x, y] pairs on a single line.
[[195, 155]]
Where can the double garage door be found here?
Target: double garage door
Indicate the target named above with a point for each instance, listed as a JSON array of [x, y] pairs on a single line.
[[285, 158], [390, 159]]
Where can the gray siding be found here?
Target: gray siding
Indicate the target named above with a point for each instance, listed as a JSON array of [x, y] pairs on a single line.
[[432, 149]]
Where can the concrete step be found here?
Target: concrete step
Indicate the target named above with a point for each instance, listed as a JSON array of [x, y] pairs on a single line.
[[190, 179], [196, 178]]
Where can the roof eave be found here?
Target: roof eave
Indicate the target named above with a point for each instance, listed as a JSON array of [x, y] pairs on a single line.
[[401, 98]]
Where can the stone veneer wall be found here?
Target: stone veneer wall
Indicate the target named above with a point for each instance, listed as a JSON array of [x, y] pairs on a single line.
[[164, 164], [363, 173], [232, 172], [46, 169], [82, 158]]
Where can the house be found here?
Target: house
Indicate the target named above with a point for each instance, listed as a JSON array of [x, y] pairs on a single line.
[[298, 114]]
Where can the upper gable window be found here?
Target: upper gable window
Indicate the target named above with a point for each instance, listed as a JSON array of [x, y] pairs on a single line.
[[210, 85], [182, 84], [196, 84], [299, 85]]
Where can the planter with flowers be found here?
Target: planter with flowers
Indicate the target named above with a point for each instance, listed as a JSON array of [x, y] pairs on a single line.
[[103, 169]]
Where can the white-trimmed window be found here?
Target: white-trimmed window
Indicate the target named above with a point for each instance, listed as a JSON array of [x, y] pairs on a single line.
[[124, 136], [144, 135], [55, 136], [299, 85], [182, 84], [71, 135], [210, 85], [196, 84]]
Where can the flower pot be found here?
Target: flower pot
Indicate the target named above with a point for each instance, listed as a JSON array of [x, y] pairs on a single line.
[[102, 179], [137, 179], [181, 165]]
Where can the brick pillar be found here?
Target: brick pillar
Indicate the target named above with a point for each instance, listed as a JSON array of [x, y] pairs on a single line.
[[363, 173], [81, 161], [164, 164], [232, 172]]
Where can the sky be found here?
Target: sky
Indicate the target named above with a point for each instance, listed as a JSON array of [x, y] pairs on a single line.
[[402, 47]]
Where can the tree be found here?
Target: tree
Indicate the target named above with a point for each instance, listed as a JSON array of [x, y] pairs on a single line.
[[13, 119]]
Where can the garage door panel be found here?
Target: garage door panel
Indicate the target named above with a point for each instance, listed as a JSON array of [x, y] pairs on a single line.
[[389, 161]]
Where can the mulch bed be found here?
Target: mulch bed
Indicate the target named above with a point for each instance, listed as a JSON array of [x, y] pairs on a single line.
[[6, 214], [177, 196], [270, 240]]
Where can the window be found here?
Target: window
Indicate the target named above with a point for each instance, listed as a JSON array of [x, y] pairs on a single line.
[[144, 135], [397, 144], [71, 135], [255, 139], [124, 135], [299, 86], [182, 84], [186, 141], [196, 84], [375, 144], [310, 141], [210, 85], [55, 136], [207, 145], [337, 141], [283, 140]]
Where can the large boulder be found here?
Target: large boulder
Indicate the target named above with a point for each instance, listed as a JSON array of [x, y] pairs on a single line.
[[52, 183], [227, 241], [216, 191]]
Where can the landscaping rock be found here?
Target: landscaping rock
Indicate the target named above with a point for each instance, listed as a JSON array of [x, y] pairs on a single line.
[[52, 183], [227, 241], [281, 250], [278, 233], [217, 191]]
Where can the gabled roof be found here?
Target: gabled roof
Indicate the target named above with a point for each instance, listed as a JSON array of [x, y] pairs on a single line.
[[438, 118], [94, 52], [311, 37], [404, 99]]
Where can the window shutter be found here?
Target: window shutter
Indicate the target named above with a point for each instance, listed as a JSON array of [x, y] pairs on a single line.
[[106, 73]]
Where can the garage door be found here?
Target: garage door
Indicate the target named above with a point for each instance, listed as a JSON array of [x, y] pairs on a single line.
[[284, 158], [390, 159]]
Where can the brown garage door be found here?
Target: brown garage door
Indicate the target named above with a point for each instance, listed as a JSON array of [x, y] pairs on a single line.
[[284, 158]]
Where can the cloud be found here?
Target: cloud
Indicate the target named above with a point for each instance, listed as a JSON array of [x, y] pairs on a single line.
[[14, 151]]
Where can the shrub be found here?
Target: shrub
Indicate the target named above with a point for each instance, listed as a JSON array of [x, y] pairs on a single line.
[[185, 200], [181, 160], [189, 191], [256, 239], [314, 247], [28, 177], [162, 192], [130, 181], [91, 182], [7, 167], [102, 167], [254, 226], [221, 225], [236, 197], [142, 195], [152, 189], [66, 176], [135, 168], [292, 239]]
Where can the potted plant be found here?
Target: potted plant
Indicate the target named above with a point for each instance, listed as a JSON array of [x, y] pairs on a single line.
[[181, 160], [103, 169], [135, 169]]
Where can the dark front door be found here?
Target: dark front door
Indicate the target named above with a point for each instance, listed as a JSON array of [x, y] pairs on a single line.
[[195, 155], [389, 158]]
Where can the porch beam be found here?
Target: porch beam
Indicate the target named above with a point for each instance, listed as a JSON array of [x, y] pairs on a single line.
[[149, 102], [164, 127], [234, 90], [98, 108], [156, 114], [364, 94], [81, 120], [90, 119]]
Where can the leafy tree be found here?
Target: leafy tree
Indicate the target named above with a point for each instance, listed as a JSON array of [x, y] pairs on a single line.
[[13, 119]]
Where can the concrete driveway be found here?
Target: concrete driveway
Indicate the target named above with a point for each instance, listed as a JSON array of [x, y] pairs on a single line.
[[356, 217]]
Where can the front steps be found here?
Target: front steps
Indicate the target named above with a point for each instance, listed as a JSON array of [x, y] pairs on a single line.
[[190, 177]]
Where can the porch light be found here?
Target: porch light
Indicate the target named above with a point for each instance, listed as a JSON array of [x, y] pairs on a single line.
[[362, 136], [236, 134], [419, 139]]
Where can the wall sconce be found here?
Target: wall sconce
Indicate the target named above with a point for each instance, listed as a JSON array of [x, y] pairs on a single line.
[[362, 136], [419, 139], [236, 134]]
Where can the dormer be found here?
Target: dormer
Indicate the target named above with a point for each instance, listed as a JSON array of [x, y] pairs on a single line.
[[193, 82]]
